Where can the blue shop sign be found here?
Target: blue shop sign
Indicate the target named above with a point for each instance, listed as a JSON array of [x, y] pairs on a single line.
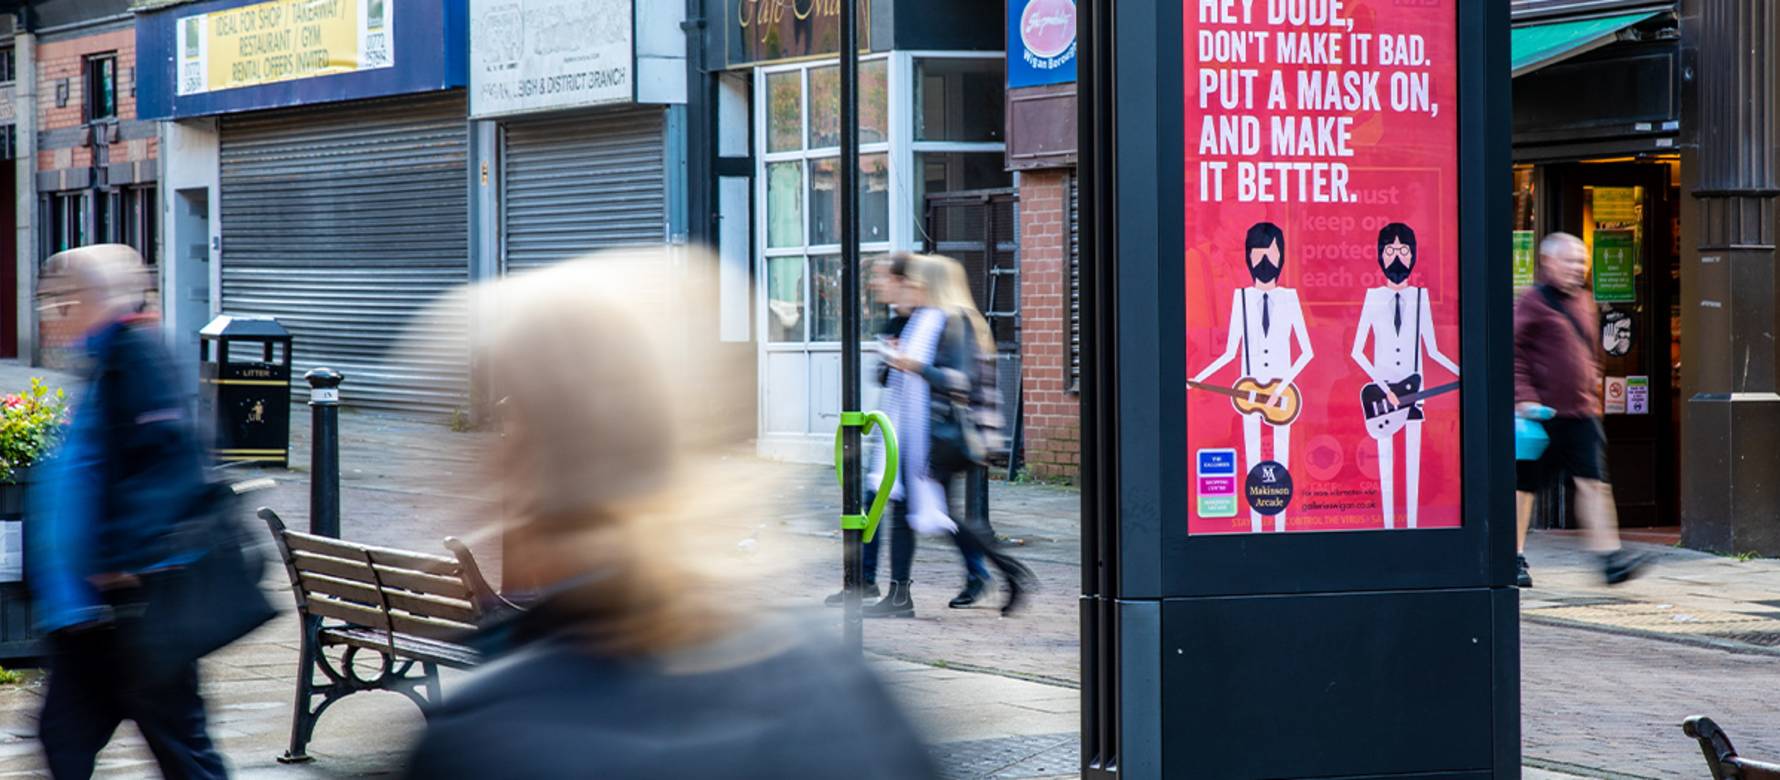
[[1040, 42], [223, 56]]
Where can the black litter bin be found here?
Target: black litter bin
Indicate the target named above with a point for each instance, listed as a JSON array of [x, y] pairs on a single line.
[[246, 388]]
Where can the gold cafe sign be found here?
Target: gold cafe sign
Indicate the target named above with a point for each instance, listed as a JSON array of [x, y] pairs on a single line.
[[763, 31]]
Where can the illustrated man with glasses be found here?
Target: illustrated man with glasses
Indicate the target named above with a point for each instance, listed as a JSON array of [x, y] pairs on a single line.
[[1400, 322]]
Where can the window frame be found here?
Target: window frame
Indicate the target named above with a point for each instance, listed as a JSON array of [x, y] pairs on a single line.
[[806, 158], [71, 211], [900, 149], [133, 220], [89, 76]]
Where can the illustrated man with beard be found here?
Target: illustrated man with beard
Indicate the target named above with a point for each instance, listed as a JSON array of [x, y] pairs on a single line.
[[1265, 320], [1400, 323]]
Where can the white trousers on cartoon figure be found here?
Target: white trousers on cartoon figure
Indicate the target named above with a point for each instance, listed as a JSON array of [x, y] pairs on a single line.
[[1252, 426], [1412, 474]]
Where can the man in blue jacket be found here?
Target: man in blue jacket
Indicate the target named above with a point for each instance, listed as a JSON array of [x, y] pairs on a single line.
[[103, 512]]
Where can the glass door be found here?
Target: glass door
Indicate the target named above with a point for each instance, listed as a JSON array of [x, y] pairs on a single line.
[[1622, 212]]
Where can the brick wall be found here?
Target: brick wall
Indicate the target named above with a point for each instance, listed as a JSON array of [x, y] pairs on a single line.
[[64, 60], [1052, 427]]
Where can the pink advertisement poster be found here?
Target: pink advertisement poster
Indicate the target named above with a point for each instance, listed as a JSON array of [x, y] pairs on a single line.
[[1322, 290]]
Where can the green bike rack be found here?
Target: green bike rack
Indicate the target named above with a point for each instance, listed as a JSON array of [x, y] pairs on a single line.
[[866, 421]]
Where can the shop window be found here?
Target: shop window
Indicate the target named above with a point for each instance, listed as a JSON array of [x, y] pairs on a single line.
[[960, 100], [104, 206], [784, 111], [826, 292], [1525, 228], [9, 142], [136, 221], [952, 137], [874, 200], [784, 204], [784, 299], [101, 88], [942, 172], [874, 104], [825, 288], [66, 217]]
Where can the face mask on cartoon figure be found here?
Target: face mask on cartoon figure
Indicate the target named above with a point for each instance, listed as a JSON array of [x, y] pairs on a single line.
[[1263, 265], [1396, 261]]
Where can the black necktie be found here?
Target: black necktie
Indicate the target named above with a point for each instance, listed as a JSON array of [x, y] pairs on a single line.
[[1266, 321], [1399, 318]]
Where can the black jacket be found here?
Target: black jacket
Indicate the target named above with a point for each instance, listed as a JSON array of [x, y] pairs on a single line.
[[152, 462], [765, 704]]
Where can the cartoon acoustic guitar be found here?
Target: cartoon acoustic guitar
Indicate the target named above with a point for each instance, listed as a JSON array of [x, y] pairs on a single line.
[[1383, 419], [1250, 396]]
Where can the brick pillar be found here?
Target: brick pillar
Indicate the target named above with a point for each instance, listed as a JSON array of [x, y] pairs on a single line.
[[1052, 425]]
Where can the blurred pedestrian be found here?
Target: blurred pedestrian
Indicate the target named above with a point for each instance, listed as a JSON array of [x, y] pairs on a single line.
[[104, 515], [939, 367], [638, 661], [882, 288], [1557, 371], [886, 288]]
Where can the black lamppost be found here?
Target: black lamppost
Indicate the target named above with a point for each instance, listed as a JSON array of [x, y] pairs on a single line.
[[852, 425]]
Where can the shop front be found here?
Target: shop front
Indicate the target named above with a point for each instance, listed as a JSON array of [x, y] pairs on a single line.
[[1597, 123], [931, 97], [582, 101], [322, 158]]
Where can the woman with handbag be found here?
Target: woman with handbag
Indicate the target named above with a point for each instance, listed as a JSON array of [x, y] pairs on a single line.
[[935, 377]]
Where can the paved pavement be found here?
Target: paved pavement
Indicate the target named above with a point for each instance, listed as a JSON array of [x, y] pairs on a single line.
[[1607, 674]]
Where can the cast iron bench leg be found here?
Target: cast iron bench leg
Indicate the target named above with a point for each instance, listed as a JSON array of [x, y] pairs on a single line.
[[302, 719]]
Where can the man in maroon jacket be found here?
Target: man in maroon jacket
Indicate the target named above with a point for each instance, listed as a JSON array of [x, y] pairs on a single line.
[[1557, 364]]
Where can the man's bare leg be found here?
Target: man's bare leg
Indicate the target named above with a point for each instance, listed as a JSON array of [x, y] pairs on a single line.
[[1523, 519], [1600, 520]]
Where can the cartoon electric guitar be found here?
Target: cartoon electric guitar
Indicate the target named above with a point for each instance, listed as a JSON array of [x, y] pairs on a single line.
[[1250, 396], [1383, 419]]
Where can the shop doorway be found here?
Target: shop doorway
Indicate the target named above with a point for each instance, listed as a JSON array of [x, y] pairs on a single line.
[[1624, 212], [190, 297]]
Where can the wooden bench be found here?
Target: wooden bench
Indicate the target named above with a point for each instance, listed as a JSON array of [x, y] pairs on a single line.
[[1721, 756], [411, 609]]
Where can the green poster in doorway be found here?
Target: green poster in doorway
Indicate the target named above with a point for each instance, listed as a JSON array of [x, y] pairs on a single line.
[[1615, 266], [1523, 260]]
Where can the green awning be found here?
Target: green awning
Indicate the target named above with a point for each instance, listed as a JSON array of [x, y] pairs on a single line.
[[1536, 46]]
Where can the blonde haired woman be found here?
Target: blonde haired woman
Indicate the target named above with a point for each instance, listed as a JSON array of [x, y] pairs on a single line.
[[947, 353], [631, 666]]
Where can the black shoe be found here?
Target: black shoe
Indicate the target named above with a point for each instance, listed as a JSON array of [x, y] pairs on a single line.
[[972, 593], [1523, 577], [1622, 565], [898, 603], [868, 594]]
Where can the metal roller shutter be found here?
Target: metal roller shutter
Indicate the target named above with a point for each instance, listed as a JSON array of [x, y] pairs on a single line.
[[345, 222], [587, 181]]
